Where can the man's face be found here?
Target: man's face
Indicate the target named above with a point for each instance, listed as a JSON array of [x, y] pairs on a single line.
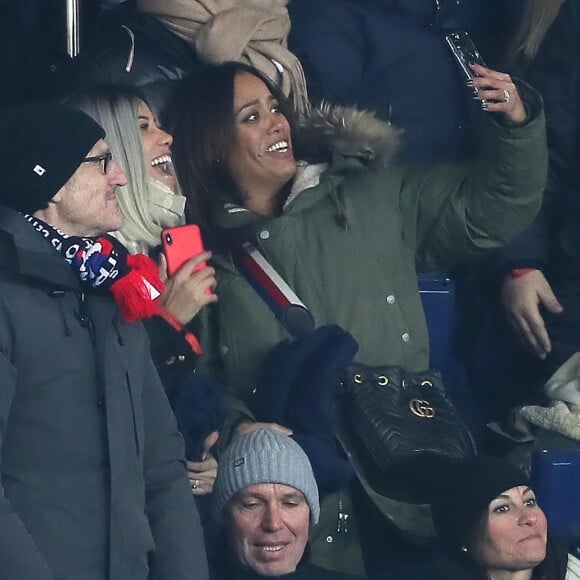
[[268, 525], [87, 204]]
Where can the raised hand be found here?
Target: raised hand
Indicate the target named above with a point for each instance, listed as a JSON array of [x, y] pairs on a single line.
[[187, 291], [499, 92], [522, 298]]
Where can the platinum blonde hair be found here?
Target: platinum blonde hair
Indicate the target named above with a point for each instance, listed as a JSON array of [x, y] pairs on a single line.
[[116, 110]]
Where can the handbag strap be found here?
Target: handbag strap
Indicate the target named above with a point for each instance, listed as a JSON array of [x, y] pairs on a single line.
[[273, 290]]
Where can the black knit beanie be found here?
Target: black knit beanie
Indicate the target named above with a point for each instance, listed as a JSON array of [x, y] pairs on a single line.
[[462, 491], [41, 146]]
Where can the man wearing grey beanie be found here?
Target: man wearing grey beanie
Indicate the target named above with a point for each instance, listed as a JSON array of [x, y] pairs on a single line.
[[266, 498]]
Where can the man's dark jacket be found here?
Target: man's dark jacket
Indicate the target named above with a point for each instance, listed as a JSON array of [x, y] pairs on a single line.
[[93, 481], [226, 567]]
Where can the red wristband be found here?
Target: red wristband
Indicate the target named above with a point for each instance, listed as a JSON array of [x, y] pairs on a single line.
[[519, 272]]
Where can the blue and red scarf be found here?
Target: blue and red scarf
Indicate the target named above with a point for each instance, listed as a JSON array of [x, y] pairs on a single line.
[[103, 262]]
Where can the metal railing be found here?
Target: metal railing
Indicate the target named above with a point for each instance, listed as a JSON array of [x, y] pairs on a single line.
[[73, 27]]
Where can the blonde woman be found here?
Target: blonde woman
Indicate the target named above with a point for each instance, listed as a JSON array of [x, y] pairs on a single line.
[[151, 201]]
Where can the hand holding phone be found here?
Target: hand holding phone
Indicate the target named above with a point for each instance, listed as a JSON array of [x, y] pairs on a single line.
[[180, 244], [190, 281], [496, 91], [465, 53]]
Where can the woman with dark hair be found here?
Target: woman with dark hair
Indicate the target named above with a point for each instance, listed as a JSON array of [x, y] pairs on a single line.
[[348, 233], [202, 159], [491, 526]]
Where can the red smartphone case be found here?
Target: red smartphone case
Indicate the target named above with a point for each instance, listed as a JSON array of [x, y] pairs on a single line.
[[180, 244]]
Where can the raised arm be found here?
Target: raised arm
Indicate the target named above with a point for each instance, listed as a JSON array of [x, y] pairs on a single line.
[[454, 213]]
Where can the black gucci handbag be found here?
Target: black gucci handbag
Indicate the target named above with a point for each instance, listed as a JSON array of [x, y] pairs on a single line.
[[404, 427]]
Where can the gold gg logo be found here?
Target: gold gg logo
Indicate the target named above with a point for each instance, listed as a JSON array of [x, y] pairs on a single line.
[[421, 408]]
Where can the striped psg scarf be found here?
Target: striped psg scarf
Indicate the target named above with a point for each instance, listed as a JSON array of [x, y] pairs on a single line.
[[104, 263]]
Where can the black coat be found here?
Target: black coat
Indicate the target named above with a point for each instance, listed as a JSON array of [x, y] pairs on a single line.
[[226, 567]]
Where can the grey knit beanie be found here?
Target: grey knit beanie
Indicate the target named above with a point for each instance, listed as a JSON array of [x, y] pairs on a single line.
[[265, 456]]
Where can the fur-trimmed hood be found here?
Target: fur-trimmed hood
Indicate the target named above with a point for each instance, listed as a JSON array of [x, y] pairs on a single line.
[[330, 130]]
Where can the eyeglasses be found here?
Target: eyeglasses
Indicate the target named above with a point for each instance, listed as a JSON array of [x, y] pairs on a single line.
[[103, 159]]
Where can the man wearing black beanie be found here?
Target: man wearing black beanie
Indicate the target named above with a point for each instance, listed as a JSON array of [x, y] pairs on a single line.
[[93, 484]]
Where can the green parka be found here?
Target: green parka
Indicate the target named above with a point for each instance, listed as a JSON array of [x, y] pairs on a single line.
[[351, 240]]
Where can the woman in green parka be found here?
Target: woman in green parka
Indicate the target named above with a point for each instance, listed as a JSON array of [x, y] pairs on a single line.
[[348, 232]]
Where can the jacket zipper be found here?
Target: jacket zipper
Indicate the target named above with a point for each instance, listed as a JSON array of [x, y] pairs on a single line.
[[84, 317]]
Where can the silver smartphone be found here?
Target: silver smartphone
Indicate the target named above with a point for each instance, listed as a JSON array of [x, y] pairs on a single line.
[[465, 52]]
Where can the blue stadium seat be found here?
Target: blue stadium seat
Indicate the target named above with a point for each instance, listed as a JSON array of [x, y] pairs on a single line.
[[438, 296], [556, 481]]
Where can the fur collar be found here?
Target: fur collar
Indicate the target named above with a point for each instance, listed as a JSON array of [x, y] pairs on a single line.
[[328, 130]]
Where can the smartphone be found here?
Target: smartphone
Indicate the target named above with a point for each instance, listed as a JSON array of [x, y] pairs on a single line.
[[465, 52], [180, 244]]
